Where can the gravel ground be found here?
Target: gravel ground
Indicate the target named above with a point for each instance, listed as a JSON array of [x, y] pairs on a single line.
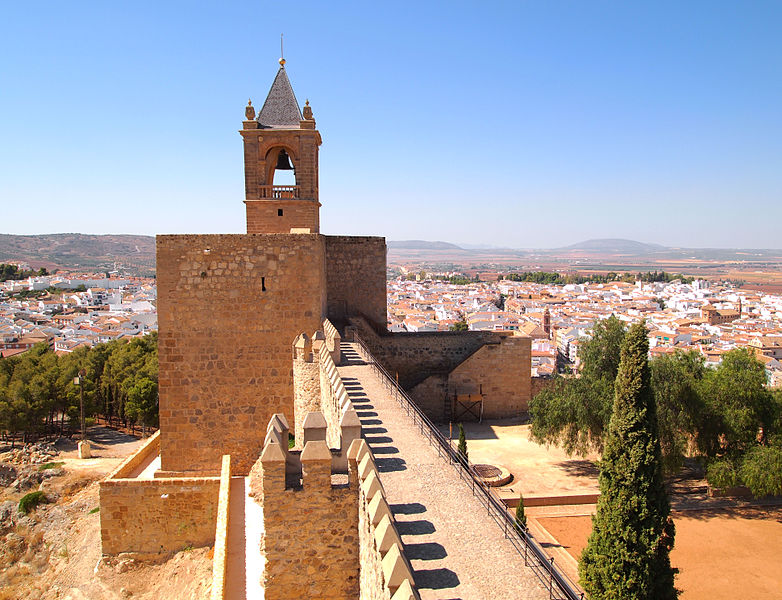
[[456, 550]]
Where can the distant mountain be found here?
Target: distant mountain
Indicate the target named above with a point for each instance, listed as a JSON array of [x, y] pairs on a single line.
[[134, 254], [421, 245], [614, 245]]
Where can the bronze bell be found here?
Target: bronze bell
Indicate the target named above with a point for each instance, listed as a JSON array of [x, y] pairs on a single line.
[[283, 161]]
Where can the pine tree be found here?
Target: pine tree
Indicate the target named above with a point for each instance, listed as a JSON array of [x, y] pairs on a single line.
[[627, 555], [521, 517], [461, 448]]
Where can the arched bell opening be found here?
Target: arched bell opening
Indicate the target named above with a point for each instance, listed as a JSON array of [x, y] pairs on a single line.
[[280, 174]]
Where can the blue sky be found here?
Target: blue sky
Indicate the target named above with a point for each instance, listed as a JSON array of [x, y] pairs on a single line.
[[522, 124]]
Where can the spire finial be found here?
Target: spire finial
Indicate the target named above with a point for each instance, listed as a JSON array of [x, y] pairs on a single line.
[[282, 54], [249, 110]]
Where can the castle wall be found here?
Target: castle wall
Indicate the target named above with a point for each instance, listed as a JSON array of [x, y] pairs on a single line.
[[434, 366], [356, 277], [501, 372], [229, 307], [431, 396], [310, 536], [385, 571], [416, 356], [157, 515]]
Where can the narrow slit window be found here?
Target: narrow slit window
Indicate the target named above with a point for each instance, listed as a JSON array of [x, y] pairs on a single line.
[[263, 284], [279, 212]]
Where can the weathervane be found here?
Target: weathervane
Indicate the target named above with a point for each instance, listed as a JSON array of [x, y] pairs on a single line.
[[282, 55]]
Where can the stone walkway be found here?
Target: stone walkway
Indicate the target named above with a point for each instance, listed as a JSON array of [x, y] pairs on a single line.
[[457, 551], [244, 559]]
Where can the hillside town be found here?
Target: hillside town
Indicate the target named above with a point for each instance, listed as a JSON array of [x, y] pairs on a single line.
[[708, 317], [72, 310]]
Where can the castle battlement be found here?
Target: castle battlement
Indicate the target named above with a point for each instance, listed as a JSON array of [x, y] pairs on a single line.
[[319, 390]]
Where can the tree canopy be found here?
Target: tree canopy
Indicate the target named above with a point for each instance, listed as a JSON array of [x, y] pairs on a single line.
[[722, 415], [627, 555], [37, 394]]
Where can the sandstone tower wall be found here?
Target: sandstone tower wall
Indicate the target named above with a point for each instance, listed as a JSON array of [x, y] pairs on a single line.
[[356, 278], [280, 216], [229, 307]]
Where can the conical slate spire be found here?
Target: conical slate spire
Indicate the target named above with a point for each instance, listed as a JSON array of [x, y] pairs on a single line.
[[281, 110]]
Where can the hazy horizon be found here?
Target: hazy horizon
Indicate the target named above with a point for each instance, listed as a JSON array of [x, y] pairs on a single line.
[[464, 245]]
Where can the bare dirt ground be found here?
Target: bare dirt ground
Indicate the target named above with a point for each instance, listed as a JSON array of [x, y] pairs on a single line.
[[722, 544], [537, 470], [718, 551], [54, 552]]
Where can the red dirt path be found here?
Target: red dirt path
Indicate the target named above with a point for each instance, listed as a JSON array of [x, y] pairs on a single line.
[[722, 554]]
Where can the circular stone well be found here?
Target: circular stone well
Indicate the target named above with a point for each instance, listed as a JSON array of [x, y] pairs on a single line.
[[492, 475]]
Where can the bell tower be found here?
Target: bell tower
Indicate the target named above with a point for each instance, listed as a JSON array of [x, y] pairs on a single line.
[[281, 138]]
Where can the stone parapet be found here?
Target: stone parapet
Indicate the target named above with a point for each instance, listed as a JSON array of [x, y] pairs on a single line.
[[333, 341], [150, 448], [310, 536], [386, 573], [149, 516], [435, 367], [342, 422]]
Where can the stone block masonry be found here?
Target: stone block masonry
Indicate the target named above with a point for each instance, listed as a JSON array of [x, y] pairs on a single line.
[[148, 516], [318, 389], [229, 307], [326, 537], [356, 278], [436, 366], [502, 373], [311, 537], [280, 216]]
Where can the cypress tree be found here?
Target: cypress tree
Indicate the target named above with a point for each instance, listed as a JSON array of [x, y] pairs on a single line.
[[627, 556], [461, 448], [521, 518]]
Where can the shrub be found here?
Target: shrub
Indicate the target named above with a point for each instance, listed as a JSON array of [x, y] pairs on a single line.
[[722, 474], [50, 465], [31, 500], [461, 448], [521, 517], [761, 470]]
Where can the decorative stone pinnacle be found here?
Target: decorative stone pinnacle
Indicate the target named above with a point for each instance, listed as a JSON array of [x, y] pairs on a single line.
[[249, 110]]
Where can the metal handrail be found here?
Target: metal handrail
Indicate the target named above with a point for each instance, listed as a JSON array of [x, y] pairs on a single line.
[[559, 585]]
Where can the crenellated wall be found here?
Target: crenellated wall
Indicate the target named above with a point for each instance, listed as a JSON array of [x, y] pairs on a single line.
[[321, 400], [327, 535], [386, 573], [310, 525]]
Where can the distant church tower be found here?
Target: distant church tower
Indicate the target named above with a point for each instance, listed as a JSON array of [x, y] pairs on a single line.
[[281, 138], [547, 322]]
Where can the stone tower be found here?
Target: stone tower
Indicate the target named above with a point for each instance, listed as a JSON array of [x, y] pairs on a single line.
[[229, 306], [281, 135]]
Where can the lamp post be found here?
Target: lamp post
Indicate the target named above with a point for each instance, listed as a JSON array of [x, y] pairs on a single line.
[[79, 380]]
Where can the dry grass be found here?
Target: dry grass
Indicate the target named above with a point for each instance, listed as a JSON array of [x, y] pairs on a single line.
[[23, 556]]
